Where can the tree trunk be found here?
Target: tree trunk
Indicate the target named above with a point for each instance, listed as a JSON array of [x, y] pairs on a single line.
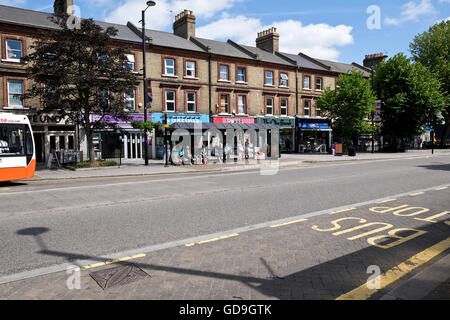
[[90, 146]]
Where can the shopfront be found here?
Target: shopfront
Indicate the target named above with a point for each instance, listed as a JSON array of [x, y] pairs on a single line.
[[124, 141], [314, 135], [52, 133], [287, 131], [172, 118]]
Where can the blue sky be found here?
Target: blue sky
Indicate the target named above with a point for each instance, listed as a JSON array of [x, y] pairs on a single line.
[[328, 29]]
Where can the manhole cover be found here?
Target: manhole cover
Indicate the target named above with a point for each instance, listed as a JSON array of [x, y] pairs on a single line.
[[118, 276]]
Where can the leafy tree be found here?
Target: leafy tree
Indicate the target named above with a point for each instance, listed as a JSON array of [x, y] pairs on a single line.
[[409, 94], [78, 72], [432, 49], [147, 125], [349, 106]]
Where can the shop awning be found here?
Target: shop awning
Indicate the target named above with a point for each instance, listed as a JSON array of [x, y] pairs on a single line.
[[225, 126]]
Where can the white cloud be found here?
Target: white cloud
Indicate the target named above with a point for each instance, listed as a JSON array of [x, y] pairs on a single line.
[[444, 1], [318, 40], [161, 16], [14, 3], [412, 11]]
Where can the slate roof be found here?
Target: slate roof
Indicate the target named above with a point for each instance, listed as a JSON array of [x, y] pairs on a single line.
[[304, 62], [223, 48], [37, 19], [169, 40], [343, 67]]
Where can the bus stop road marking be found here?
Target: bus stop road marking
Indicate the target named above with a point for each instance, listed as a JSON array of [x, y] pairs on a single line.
[[212, 240], [416, 194], [288, 223], [363, 292]]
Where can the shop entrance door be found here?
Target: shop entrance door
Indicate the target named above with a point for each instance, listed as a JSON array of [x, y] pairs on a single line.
[[133, 146]]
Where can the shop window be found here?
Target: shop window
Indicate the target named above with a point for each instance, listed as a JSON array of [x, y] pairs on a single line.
[[16, 93], [71, 143]]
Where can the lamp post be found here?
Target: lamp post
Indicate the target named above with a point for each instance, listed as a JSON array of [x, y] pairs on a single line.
[[373, 115], [149, 4]]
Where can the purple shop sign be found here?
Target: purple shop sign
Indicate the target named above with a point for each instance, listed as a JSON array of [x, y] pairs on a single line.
[[118, 121]]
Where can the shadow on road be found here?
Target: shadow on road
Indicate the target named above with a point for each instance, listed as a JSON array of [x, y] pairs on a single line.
[[437, 166], [326, 280]]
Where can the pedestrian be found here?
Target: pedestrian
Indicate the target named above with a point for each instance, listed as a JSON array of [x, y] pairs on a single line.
[[246, 151], [204, 155], [288, 145]]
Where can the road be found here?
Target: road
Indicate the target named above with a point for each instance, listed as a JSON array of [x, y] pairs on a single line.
[[48, 223]]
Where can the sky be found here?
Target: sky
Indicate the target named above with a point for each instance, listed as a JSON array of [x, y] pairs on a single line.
[[343, 31]]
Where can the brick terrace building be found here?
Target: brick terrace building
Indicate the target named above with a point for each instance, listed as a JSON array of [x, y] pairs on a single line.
[[192, 79]]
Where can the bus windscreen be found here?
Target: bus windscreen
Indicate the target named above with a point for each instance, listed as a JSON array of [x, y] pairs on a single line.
[[12, 140]]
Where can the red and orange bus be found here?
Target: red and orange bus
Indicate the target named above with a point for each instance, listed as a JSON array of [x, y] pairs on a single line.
[[17, 153]]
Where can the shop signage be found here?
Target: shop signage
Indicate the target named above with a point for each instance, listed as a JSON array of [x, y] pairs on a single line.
[[233, 120], [281, 122], [117, 121], [180, 118], [314, 125], [45, 119], [377, 113]]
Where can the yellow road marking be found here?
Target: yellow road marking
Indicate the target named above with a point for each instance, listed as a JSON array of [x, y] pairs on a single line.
[[100, 264], [343, 210], [447, 223], [288, 223], [5, 189], [212, 240], [416, 194], [385, 201], [363, 292], [439, 189]]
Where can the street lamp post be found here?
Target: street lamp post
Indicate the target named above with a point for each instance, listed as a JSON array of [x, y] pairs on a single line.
[[144, 62], [373, 115]]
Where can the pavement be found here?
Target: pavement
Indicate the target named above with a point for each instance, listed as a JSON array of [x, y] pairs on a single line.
[[306, 233], [156, 167]]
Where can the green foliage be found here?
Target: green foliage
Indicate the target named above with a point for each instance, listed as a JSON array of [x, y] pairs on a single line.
[[349, 105], [146, 125], [82, 72], [111, 163], [409, 94]]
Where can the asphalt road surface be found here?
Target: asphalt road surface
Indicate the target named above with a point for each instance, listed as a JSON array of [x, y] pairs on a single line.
[[97, 217]]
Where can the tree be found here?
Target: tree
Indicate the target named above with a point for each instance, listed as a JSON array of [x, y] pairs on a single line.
[[432, 49], [79, 72], [349, 106], [409, 94]]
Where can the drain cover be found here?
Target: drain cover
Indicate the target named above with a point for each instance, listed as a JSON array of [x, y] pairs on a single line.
[[118, 276]]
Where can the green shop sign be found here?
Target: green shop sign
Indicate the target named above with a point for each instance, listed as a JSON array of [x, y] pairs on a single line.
[[281, 122]]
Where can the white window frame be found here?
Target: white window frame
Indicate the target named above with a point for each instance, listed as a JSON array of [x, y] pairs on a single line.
[[191, 69], [309, 83], [174, 101], [284, 107], [226, 108], [166, 67], [272, 105], [130, 61], [244, 75], [266, 78], [192, 103], [309, 108], [284, 80], [128, 98], [321, 84], [242, 105], [13, 50], [222, 73], [15, 93]]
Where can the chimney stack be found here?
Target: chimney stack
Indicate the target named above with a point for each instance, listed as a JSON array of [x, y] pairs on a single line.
[[374, 60], [61, 7], [184, 25], [269, 40]]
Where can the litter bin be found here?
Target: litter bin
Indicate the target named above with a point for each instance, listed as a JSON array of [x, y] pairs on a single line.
[[351, 152]]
